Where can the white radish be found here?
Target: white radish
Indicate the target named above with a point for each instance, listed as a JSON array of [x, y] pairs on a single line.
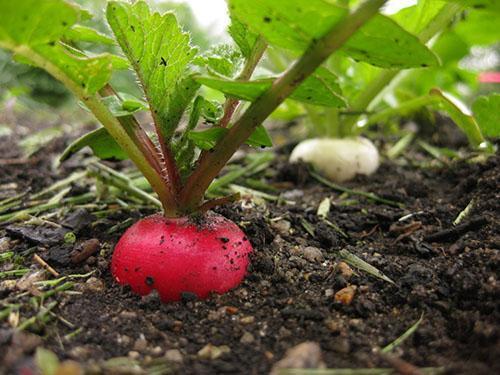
[[338, 159]]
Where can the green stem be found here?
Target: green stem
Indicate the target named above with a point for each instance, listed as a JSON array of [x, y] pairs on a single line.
[[384, 78], [250, 65], [409, 106], [317, 52], [111, 124]]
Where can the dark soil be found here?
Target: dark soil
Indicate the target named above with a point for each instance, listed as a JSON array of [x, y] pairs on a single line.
[[447, 273]]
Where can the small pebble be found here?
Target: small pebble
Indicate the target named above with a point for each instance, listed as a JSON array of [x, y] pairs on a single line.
[[210, 351], [93, 284], [312, 254], [156, 351], [140, 344], [128, 315], [335, 326], [247, 319], [293, 194], [247, 338], [345, 270], [345, 295], [305, 355], [80, 352], [174, 355], [282, 227], [133, 354]]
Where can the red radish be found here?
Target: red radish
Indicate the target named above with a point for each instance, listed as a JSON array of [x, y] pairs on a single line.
[[177, 255]]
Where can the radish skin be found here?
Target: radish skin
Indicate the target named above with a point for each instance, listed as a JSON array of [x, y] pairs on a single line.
[[177, 256], [338, 159]]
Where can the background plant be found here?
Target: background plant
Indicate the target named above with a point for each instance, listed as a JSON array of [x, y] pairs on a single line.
[[195, 136]]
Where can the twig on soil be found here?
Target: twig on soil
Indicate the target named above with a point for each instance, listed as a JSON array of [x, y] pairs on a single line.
[[371, 196], [452, 234], [45, 265], [410, 215]]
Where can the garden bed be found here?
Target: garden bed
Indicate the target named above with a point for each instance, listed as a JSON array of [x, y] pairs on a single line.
[[444, 273]]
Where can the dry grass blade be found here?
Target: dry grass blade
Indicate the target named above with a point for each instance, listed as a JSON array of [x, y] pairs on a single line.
[[403, 337], [359, 263]]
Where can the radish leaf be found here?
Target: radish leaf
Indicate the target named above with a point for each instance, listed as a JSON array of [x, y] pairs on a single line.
[[294, 24], [79, 33], [223, 60], [492, 5], [160, 53], [101, 143], [320, 88], [243, 37], [206, 139], [34, 37], [260, 138], [126, 107], [486, 112]]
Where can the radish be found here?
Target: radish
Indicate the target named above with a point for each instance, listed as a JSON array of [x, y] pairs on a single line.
[[186, 249], [179, 255], [338, 159]]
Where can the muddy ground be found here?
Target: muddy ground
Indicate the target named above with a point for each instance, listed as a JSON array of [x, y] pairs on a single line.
[[442, 272]]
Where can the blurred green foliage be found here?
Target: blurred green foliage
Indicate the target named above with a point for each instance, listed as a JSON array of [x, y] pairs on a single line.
[[36, 87]]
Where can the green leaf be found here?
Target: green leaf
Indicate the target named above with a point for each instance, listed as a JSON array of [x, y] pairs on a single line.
[[490, 5], [245, 90], [206, 139], [479, 28], [415, 18], [33, 22], [35, 35], [79, 33], [101, 143], [293, 24], [212, 111], [382, 42], [450, 47], [243, 37], [461, 115], [486, 111], [259, 138], [127, 107], [160, 53], [222, 60], [320, 88]]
